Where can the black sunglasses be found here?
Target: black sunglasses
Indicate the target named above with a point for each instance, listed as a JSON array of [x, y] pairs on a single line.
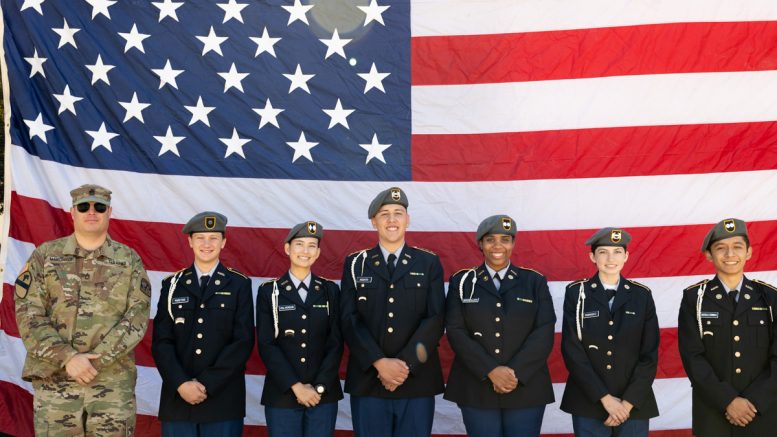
[[98, 207]]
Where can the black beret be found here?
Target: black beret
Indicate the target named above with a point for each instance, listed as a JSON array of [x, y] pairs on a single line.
[[727, 228], [392, 196], [306, 229]]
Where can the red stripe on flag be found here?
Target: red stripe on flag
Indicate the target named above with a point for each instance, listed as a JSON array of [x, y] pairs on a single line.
[[586, 53], [593, 153], [560, 255]]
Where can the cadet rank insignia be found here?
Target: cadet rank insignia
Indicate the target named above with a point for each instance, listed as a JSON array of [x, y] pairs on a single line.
[[616, 235], [729, 225], [507, 223], [210, 222]]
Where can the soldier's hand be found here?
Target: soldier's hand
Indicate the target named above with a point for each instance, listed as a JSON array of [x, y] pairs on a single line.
[[615, 409], [503, 379], [306, 394], [740, 412], [391, 371], [80, 368], [192, 392]]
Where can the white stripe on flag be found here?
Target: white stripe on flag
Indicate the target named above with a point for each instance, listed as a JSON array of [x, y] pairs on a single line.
[[552, 204], [444, 17], [639, 100]]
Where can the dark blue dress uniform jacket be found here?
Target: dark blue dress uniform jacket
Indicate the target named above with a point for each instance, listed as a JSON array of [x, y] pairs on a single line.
[[210, 338], [736, 357], [512, 327], [393, 317], [308, 347], [619, 351]]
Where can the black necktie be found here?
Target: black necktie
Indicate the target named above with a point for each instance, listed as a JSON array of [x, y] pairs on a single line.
[[204, 282], [732, 296], [497, 281], [391, 267], [609, 293], [302, 290]]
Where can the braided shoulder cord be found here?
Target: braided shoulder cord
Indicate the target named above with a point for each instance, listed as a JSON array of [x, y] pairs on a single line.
[[461, 284], [699, 297], [173, 284], [274, 299], [579, 311], [362, 254]]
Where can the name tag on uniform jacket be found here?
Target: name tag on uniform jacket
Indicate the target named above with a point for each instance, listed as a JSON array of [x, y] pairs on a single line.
[[290, 307], [710, 315], [475, 300], [364, 279], [184, 299], [591, 314]]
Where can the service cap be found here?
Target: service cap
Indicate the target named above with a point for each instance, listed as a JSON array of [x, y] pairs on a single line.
[[392, 196], [207, 221], [496, 224], [306, 229], [727, 228], [91, 193], [609, 237]]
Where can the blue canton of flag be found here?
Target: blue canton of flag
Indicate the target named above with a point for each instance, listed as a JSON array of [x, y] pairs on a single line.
[[238, 88]]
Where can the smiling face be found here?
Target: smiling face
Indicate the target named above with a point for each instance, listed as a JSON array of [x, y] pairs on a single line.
[[609, 260], [303, 252], [497, 250], [391, 222], [207, 247], [90, 223], [729, 255]]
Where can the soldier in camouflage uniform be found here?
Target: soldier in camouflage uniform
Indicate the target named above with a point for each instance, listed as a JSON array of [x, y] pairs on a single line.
[[82, 306]]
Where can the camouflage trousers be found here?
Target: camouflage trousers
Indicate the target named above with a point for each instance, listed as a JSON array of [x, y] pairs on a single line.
[[106, 407]]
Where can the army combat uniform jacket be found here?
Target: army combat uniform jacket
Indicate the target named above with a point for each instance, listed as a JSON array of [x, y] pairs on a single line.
[[486, 328], [730, 351], [393, 317], [299, 341], [207, 336], [70, 301], [618, 353]]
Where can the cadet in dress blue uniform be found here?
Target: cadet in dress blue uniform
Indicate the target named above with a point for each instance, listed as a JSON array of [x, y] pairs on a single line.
[[609, 342], [203, 336], [500, 323], [392, 304], [297, 328], [726, 334]]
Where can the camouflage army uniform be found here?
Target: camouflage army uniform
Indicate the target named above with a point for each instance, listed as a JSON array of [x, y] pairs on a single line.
[[70, 301]]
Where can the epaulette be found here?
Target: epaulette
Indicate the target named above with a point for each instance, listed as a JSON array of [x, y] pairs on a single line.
[[766, 284], [174, 273], [359, 251], [327, 279], [469, 269], [268, 281], [578, 282], [639, 284], [531, 270], [236, 272], [424, 250], [703, 281]]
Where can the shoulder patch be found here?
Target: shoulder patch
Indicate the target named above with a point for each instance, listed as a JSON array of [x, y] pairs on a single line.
[[765, 284], [424, 250], [23, 282], [702, 282], [531, 270], [572, 284], [639, 284], [358, 251], [237, 272]]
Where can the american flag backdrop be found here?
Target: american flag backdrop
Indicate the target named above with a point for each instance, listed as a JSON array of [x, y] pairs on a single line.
[[656, 116]]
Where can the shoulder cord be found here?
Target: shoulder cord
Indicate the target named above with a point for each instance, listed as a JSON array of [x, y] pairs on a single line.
[[579, 311], [461, 284], [362, 254], [699, 297], [173, 284], [274, 299]]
